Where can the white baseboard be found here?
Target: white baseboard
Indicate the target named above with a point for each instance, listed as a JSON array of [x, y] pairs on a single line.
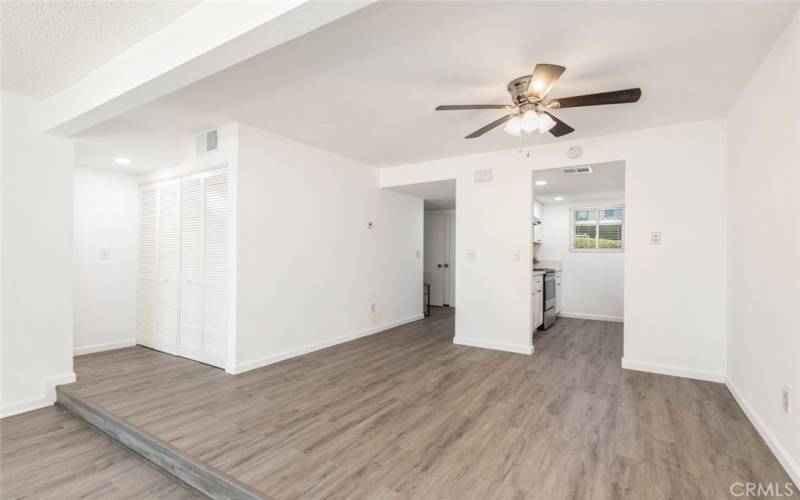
[[497, 346], [675, 371], [108, 346], [47, 398], [281, 356], [595, 317], [791, 467]]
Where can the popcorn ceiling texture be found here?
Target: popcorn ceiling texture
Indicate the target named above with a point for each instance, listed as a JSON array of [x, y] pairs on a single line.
[[46, 46]]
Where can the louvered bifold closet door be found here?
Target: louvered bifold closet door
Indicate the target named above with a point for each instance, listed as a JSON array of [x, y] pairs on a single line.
[[147, 267], [190, 338], [215, 267], [166, 334]]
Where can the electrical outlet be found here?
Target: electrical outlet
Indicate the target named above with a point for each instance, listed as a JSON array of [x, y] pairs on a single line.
[[655, 238], [787, 401], [514, 255], [472, 254]]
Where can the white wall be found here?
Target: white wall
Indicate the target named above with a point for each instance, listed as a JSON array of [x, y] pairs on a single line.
[[308, 267], [493, 292], [674, 179], [36, 259], [105, 215], [592, 283], [764, 247]]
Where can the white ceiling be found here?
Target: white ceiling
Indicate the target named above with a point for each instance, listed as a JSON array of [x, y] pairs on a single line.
[[147, 149], [49, 45], [365, 86], [606, 182], [438, 195]]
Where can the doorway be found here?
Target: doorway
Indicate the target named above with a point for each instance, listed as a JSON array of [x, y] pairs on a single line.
[[439, 252]]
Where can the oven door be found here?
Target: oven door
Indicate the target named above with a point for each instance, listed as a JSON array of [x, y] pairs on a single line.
[[549, 291]]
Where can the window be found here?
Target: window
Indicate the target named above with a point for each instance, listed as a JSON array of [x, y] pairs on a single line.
[[597, 229]]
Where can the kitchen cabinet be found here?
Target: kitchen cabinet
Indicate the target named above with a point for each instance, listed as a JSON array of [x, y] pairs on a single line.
[[558, 293], [537, 301], [537, 232], [537, 210]]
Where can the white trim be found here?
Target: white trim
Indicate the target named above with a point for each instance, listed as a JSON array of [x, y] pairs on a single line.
[[675, 371], [47, 398], [281, 356], [496, 346], [595, 317], [107, 346], [789, 465]]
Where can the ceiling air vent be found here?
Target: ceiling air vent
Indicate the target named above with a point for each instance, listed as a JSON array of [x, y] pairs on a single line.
[[207, 141], [578, 170]]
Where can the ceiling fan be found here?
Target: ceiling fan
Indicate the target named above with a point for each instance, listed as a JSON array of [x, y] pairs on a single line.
[[530, 108]]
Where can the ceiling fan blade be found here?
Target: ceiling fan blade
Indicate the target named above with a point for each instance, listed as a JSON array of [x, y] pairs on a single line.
[[456, 107], [543, 78], [560, 128], [489, 127], [615, 97]]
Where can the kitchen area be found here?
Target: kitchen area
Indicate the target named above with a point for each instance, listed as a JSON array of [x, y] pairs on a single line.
[[546, 291], [578, 238]]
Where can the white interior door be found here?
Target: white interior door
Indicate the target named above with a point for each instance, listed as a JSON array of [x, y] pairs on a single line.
[[166, 331], [190, 337], [147, 267], [183, 267], [215, 268], [434, 257]]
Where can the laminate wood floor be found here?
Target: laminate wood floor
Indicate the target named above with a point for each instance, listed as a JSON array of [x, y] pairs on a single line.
[[50, 454], [408, 414]]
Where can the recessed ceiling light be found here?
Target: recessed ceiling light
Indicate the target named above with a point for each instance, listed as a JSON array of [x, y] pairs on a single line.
[[558, 198], [122, 161], [541, 183]]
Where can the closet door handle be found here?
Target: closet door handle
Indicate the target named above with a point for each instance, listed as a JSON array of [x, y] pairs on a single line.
[[438, 265], [447, 265]]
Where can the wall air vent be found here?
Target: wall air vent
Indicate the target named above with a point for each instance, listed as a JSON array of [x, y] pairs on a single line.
[[578, 170], [207, 141]]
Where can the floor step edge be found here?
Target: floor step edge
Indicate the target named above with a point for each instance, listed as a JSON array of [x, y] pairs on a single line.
[[187, 469]]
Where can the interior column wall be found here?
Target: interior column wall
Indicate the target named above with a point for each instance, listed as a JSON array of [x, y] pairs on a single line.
[[764, 248], [36, 340]]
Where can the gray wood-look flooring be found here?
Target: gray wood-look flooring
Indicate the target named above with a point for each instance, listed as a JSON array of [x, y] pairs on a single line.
[[50, 454], [407, 414]]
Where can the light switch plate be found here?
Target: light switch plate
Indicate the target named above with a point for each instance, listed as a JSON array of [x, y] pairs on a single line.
[[472, 254], [105, 253], [655, 238], [419, 254], [483, 175], [514, 255]]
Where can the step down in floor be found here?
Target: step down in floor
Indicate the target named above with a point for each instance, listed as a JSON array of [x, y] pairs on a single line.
[[185, 468]]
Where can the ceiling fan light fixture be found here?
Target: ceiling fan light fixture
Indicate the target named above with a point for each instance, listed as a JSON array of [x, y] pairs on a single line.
[[514, 126], [530, 121], [545, 123], [537, 85]]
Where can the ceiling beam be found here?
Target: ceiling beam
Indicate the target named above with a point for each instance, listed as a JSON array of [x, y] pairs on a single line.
[[209, 38]]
